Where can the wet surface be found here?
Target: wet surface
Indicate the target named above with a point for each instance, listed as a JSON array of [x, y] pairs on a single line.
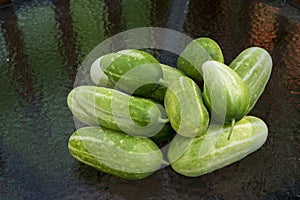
[[44, 42]]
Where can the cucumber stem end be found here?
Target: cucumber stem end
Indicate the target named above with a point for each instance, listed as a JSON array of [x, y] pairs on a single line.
[[231, 128]]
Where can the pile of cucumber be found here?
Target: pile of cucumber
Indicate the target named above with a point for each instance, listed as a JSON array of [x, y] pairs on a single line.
[[199, 109]]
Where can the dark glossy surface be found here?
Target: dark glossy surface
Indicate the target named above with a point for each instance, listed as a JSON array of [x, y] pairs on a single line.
[[42, 43]]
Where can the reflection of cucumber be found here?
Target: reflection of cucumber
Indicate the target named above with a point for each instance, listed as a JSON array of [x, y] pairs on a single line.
[[196, 53], [225, 94], [169, 74], [254, 66], [98, 76], [115, 110], [133, 71], [115, 153], [190, 157], [185, 108]]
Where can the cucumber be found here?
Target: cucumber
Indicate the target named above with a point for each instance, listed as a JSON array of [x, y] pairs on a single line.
[[185, 108], [189, 156], [254, 66], [195, 54], [133, 71], [169, 74], [115, 153], [225, 94], [116, 110], [98, 76]]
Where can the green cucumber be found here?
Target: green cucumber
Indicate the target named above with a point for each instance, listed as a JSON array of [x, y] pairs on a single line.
[[133, 71], [169, 74], [98, 76], [254, 66], [196, 53], [115, 153], [116, 110], [225, 94], [190, 157], [185, 108]]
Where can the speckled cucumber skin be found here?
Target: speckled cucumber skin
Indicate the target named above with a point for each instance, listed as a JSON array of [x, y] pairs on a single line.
[[133, 71], [195, 54], [230, 93], [185, 108], [254, 66], [115, 153], [169, 74], [187, 158], [94, 106]]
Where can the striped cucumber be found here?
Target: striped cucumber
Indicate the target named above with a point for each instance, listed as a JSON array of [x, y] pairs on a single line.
[[133, 71], [225, 93], [115, 153], [169, 74], [189, 156], [115, 110], [254, 66], [185, 108], [196, 53]]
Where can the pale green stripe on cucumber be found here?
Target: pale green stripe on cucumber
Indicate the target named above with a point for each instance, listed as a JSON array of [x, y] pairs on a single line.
[[254, 66], [185, 108], [196, 53], [187, 158], [115, 153]]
